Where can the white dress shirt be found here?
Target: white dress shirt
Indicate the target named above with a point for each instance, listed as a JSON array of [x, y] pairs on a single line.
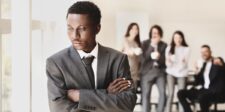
[[94, 53], [155, 46], [206, 72], [177, 64]]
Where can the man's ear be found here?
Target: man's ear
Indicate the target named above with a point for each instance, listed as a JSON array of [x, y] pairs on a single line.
[[98, 28]]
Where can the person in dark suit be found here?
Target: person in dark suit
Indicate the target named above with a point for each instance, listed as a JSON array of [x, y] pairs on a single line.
[[220, 62], [210, 77], [153, 68], [88, 77]]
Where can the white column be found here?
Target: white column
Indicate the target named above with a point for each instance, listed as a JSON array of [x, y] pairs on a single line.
[[21, 64], [0, 60], [0, 71]]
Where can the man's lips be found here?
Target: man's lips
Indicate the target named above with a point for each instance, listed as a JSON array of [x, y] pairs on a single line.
[[75, 42]]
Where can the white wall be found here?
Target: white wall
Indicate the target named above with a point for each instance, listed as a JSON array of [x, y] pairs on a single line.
[[123, 19], [202, 22]]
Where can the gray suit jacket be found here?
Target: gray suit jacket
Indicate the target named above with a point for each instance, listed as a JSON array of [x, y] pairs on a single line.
[[147, 61], [65, 71]]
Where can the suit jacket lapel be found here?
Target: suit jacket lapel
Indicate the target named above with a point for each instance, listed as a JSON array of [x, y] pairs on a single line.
[[79, 64], [150, 49], [213, 72], [159, 47], [102, 66]]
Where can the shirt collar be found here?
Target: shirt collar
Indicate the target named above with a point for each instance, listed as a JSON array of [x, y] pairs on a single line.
[[94, 52], [208, 61]]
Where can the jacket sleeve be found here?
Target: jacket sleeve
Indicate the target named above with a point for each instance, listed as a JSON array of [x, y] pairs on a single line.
[[100, 101], [198, 79], [162, 58], [146, 52], [57, 91], [145, 56]]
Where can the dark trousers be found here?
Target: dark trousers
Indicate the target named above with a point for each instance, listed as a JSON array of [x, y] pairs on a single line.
[[204, 96]]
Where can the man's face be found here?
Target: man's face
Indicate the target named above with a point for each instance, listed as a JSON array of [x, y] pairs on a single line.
[[82, 31], [206, 53], [155, 36]]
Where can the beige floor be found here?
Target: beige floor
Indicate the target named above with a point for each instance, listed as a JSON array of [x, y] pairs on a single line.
[[138, 108], [154, 99]]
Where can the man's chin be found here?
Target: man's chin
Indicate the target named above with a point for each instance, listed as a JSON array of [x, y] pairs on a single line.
[[78, 47]]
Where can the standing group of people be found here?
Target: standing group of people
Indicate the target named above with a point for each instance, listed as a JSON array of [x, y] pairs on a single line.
[[155, 62]]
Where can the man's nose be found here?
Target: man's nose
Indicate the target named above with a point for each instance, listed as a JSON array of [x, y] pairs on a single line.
[[76, 35]]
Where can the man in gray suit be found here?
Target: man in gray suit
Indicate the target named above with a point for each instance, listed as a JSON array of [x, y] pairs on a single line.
[[88, 77], [153, 68]]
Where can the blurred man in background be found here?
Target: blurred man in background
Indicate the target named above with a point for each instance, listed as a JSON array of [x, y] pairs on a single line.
[[153, 68], [211, 79]]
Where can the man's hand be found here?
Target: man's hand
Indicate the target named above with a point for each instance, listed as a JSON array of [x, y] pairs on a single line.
[[73, 95], [155, 55], [118, 85]]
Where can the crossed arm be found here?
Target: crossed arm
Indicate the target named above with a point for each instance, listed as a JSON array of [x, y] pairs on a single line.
[[119, 96], [117, 86]]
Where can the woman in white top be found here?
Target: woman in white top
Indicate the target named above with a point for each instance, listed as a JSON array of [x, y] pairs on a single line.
[[177, 66]]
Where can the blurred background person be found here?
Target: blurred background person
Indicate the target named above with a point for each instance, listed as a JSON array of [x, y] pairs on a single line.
[[132, 47], [177, 55], [209, 83], [153, 68], [219, 61]]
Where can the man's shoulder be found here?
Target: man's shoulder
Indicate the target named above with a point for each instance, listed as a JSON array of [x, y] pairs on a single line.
[[112, 51], [60, 54], [147, 41], [163, 43]]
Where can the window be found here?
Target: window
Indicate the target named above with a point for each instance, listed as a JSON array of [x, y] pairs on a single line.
[[5, 9], [25, 36], [6, 73], [6, 56]]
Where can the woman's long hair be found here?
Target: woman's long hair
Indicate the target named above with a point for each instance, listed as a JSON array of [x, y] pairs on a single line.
[[173, 45], [137, 37], [221, 59]]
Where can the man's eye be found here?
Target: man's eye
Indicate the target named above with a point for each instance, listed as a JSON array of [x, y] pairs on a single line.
[[81, 29]]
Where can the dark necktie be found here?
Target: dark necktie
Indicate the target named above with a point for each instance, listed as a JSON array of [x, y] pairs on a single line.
[[203, 68], [88, 61]]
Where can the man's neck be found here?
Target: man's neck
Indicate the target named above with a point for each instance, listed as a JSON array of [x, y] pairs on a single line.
[[209, 59], [91, 48]]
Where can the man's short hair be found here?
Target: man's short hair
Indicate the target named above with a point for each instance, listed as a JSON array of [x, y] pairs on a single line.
[[86, 7], [206, 46]]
